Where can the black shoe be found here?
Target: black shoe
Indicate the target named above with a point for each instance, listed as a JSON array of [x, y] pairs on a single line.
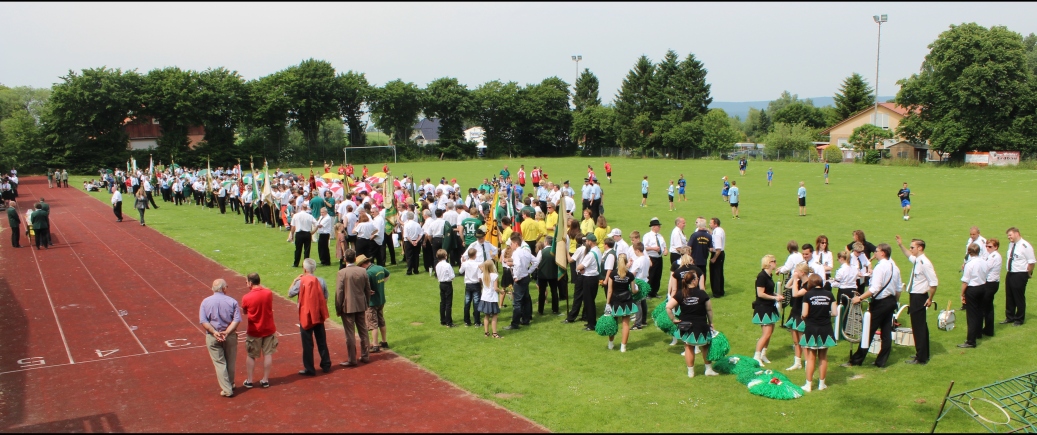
[[384, 345], [246, 384], [915, 361], [408, 273], [1017, 324], [478, 323], [449, 325], [967, 346], [306, 373], [525, 324], [467, 324], [511, 327], [1004, 322], [568, 321]]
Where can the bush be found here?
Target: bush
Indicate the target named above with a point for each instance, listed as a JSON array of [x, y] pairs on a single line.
[[833, 154], [872, 157]]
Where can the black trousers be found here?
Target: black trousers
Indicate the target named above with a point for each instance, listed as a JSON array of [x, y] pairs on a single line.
[[303, 239], [41, 237], [590, 293], [522, 312], [221, 201], [318, 334], [427, 255], [178, 197], [919, 326], [322, 249], [882, 312], [410, 255], [1015, 296], [249, 213], [654, 275], [446, 303], [437, 244], [117, 209], [974, 311], [264, 214], [235, 204], [151, 199], [577, 297], [543, 285], [989, 291], [166, 196], [390, 247], [366, 247], [16, 235], [716, 275]]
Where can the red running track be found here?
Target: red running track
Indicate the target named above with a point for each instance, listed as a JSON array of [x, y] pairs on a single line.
[[100, 334]]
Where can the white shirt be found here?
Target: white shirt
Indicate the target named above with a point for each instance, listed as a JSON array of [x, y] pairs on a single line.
[[470, 269], [522, 262], [923, 275], [341, 207], [379, 227], [981, 242], [654, 239], [994, 267], [845, 277], [791, 262], [622, 248], [677, 239], [885, 280], [481, 251], [412, 231], [641, 266], [820, 258], [450, 216], [720, 239], [975, 272], [590, 262], [1019, 256], [351, 219], [365, 230], [246, 196], [488, 294], [116, 197], [444, 273], [325, 225], [554, 196], [570, 204], [435, 228], [303, 222]]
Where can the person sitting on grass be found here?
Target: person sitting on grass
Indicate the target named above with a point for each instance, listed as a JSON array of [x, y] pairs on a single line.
[[489, 304]]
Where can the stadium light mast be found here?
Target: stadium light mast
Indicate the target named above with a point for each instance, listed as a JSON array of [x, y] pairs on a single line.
[[577, 58], [879, 19]]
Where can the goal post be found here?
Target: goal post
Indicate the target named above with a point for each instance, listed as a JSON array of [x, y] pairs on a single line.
[[345, 152]]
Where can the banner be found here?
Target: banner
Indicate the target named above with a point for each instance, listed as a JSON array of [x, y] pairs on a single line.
[[1004, 158]]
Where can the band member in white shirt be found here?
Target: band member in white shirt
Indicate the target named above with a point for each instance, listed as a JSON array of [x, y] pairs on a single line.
[[1020, 263], [303, 227], [993, 281], [973, 282], [884, 291], [716, 260], [922, 287], [654, 247], [677, 239]]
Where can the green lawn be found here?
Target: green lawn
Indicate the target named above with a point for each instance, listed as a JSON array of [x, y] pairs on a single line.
[[568, 381]]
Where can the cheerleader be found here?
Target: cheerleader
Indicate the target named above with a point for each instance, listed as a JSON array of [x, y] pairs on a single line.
[[618, 300], [818, 310], [489, 300], [795, 323], [765, 309], [680, 268], [694, 322]]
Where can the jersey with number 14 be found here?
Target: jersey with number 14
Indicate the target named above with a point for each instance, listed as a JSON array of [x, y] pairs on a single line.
[[468, 227]]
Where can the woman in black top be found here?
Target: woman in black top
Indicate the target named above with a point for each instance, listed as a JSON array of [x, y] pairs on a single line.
[[619, 299], [694, 324], [765, 308], [818, 309], [795, 323], [680, 268]]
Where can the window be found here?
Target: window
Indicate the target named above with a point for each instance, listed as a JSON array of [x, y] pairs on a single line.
[[844, 142], [882, 121], [901, 154]]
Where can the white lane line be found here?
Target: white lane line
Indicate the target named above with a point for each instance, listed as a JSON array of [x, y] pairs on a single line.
[[52, 309]]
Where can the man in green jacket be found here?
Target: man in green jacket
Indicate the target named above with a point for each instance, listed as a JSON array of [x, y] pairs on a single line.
[[15, 220], [41, 225]]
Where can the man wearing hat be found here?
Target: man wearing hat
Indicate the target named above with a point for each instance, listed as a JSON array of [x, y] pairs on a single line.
[[378, 275], [622, 248], [587, 194], [654, 248], [589, 269], [484, 250]]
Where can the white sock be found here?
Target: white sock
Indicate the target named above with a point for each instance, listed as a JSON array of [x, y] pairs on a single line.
[[611, 345], [674, 342], [682, 353], [821, 385], [691, 372], [756, 356], [763, 356], [709, 370], [806, 387], [622, 347]]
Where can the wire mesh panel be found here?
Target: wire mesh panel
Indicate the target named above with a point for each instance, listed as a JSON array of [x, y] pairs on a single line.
[[1008, 406]]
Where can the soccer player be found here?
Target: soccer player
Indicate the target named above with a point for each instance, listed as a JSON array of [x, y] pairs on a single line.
[[669, 192], [742, 163], [905, 199], [608, 171], [733, 195], [727, 186], [770, 175], [681, 183], [826, 172], [644, 192], [802, 195]]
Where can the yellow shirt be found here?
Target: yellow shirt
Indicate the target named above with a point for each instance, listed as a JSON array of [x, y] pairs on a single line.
[[572, 246], [530, 230], [601, 234], [551, 220], [543, 230], [506, 235], [587, 226]]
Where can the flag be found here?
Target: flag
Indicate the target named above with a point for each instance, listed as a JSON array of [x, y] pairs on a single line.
[[492, 232], [208, 175], [253, 181], [127, 168], [268, 194], [561, 249], [134, 165], [151, 169], [390, 212]]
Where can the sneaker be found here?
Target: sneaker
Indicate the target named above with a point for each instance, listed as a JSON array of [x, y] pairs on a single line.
[[806, 387], [612, 345], [264, 384], [710, 372], [795, 366], [246, 384]]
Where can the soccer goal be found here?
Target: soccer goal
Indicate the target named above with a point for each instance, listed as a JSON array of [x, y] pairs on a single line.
[[346, 150]]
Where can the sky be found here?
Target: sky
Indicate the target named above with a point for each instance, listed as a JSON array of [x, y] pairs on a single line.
[[752, 51]]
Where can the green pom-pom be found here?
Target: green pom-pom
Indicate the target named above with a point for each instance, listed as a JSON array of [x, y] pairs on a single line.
[[659, 309], [747, 376], [662, 320], [642, 290], [606, 326], [774, 387], [734, 364], [718, 347]]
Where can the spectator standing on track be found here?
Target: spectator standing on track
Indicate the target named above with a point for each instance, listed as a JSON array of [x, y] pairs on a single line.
[[117, 205], [378, 275], [16, 223], [50, 178], [40, 221], [261, 333], [64, 178], [352, 295], [140, 203], [313, 311], [220, 315]]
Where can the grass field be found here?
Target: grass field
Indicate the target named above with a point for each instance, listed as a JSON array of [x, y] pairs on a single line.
[[568, 381]]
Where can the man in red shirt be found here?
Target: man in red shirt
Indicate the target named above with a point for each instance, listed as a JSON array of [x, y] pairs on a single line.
[[608, 171], [341, 170], [385, 168], [365, 172], [349, 170], [261, 336], [522, 175]]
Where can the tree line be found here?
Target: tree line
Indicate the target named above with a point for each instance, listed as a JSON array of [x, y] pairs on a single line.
[[976, 90]]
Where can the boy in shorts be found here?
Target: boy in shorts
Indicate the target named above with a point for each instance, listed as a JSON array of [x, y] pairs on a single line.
[[378, 275]]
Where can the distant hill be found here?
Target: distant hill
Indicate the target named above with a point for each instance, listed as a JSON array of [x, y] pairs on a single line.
[[741, 109]]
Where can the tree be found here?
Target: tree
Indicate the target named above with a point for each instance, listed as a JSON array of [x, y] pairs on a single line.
[[854, 95], [270, 105], [1030, 43], [545, 118], [757, 124], [973, 87], [452, 103], [691, 90], [718, 135], [800, 112], [788, 138], [633, 106], [84, 124], [353, 93], [594, 128], [170, 96], [496, 110], [311, 89], [866, 136], [223, 104], [21, 142], [395, 109], [586, 93], [784, 100]]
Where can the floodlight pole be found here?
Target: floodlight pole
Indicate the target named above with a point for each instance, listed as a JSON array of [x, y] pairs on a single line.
[[576, 58], [879, 19]]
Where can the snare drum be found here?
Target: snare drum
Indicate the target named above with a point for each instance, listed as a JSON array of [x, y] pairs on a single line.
[[904, 336]]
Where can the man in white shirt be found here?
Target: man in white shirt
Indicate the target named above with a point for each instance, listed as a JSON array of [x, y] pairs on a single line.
[[116, 205], [325, 225], [379, 237], [993, 281], [1020, 263], [221, 198], [622, 248], [484, 250], [247, 198], [654, 247], [577, 279], [973, 282], [522, 266], [677, 239], [412, 235], [921, 287], [885, 291], [589, 268], [235, 193], [716, 261], [303, 227], [975, 239], [472, 287], [147, 191]]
